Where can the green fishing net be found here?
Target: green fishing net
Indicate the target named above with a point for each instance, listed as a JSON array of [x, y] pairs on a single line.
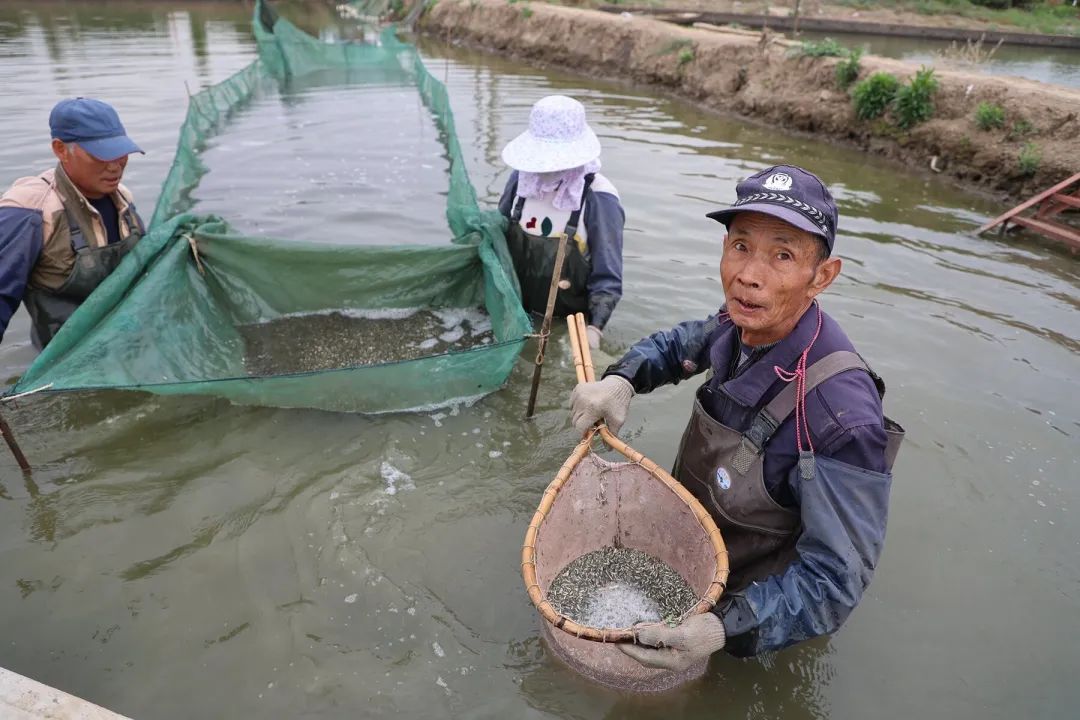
[[176, 315]]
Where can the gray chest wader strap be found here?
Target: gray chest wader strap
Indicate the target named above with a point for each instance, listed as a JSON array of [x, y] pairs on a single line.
[[78, 235], [75, 230], [133, 221], [519, 207], [783, 405]]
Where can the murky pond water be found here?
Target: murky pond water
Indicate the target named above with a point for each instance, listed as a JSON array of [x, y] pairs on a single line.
[[182, 557], [352, 160], [1060, 66]]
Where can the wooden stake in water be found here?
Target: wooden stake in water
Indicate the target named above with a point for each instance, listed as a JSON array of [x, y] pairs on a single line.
[[545, 327], [5, 429]]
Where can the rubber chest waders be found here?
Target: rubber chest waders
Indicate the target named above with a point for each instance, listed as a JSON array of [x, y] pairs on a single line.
[[534, 261], [724, 469], [49, 309]]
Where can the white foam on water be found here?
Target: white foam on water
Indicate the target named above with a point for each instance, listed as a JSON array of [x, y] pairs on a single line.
[[437, 649], [619, 605], [362, 313], [480, 325], [454, 404], [452, 335], [452, 317], [395, 479], [350, 599]]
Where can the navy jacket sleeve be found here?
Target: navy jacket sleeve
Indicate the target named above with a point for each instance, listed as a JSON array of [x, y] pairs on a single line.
[[20, 245], [667, 356], [604, 220], [844, 509]]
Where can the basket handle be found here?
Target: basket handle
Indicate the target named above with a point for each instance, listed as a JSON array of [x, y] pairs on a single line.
[[586, 351], [579, 343]]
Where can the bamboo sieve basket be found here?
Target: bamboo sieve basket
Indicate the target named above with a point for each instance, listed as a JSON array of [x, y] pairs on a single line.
[[594, 503]]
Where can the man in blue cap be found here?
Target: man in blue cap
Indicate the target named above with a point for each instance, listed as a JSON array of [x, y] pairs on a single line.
[[62, 232], [787, 446]]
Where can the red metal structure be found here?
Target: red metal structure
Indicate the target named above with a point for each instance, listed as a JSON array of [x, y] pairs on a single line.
[[1047, 204]]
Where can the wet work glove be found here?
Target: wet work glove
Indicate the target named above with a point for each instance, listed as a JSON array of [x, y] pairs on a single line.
[[677, 648], [606, 400], [594, 336]]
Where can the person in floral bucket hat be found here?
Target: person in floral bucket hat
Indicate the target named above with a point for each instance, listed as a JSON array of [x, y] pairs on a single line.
[[556, 187]]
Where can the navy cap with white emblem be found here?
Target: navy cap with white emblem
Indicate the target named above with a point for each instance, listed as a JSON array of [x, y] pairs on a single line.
[[788, 193]]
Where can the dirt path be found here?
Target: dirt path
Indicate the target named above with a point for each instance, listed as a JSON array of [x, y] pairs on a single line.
[[887, 14], [759, 78]]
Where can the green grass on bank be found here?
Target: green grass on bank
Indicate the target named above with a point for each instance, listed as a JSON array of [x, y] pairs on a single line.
[[1046, 17]]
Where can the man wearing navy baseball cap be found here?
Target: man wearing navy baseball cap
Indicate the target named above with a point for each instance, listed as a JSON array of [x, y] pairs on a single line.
[[787, 445], [62, 232]]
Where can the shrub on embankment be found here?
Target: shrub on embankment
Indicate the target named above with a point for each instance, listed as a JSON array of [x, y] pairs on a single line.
[[989, 116], [914, 101], [874, 95], [758, 77], [847, 70]]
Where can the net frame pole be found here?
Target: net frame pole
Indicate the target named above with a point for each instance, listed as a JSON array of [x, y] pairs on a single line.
[[13, 445], [545, 327]]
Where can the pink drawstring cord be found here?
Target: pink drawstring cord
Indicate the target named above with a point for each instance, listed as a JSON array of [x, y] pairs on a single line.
[[799, 378]]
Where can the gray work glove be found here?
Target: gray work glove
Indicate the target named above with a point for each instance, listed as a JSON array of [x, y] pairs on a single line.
[[677, 648], [594, 335], [606, 400]]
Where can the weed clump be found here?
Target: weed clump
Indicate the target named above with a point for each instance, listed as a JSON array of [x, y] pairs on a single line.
[[989, 116], [1029, 159], [873, 95], [822, 48], [847, 70], [914, 101], [1020, 128]]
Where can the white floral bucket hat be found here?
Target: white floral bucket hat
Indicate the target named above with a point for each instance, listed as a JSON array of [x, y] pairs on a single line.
[[558, 138]]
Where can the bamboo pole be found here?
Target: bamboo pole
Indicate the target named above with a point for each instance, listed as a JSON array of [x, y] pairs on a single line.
[[545, 327], [13, 444]]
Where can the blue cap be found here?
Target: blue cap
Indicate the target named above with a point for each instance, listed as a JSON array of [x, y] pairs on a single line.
[[788, 193], [94, 125]]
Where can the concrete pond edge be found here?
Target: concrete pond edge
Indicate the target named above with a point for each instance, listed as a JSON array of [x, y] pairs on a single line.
[[24, 699]]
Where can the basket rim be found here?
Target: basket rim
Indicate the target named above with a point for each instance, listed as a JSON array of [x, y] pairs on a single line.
[[528, 552]]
